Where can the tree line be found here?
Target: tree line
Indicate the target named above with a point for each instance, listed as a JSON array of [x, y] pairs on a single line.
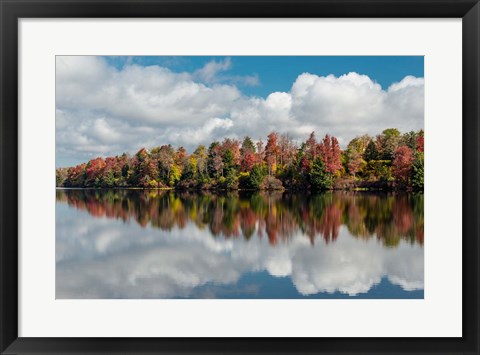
[[389, 160]]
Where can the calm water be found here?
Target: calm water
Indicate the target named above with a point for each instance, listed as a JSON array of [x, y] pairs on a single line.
[[157, 244]]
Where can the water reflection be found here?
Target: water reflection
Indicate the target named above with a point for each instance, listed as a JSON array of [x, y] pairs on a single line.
[[161, 244], [388, 217]]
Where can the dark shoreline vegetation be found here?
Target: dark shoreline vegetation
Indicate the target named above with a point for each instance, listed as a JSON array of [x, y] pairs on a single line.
[[390, 217], [389, 161]]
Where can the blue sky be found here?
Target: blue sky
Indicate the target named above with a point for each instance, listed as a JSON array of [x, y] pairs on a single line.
[[277, 73], [109, 105]]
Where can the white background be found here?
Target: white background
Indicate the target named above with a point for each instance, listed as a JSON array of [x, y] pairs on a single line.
[[439, 314]]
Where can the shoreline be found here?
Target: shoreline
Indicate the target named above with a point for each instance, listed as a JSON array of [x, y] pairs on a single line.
[[355, 189], [340, 185]]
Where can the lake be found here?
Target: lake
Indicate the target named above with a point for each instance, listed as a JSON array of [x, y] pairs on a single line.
[[164, 244]]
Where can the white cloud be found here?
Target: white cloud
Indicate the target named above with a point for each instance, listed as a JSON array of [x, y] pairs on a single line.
[[212, 68], [214, 72], [248, 80], [102, 110], [407, 82], [104, 132], [214, 128]]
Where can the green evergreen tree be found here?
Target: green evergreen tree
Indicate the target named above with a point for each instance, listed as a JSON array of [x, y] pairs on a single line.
[[417, 172], [371, 152], [319, 178], [228, 163], [247, 146], [256, 177]]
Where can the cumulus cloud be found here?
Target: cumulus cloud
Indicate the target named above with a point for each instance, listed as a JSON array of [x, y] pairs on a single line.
[[102, 110], [103, 258]]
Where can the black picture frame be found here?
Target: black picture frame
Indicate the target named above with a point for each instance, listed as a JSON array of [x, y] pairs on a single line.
[[12, 11]]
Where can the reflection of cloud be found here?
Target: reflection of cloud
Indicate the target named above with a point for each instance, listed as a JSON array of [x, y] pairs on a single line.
[[352, 266], [111, 259]]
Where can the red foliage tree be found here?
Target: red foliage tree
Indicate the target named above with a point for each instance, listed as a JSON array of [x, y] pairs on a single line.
[[113, 166], [311, 147], [260, 151], [420, 142], [248, 157], [142, 154], [305, 165], [402, 163], [287, 150], [234, 146], [215, 160], [248, 161], [330, 152], [180, 157], [271, 151], [76, 175], [94, 170], [354, 162]]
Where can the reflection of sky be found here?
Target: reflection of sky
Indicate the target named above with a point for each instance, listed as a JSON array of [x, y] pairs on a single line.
[[105, 258]]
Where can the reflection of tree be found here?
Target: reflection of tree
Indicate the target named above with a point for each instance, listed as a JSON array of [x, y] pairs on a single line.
[[279, 216]]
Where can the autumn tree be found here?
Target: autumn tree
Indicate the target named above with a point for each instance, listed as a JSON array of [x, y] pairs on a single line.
[[260, 151], [61, 175], [354, 162], [402, 164], [201, 155], [420, 142], [215, 161], [76, 176], [165, 156], [355, 152], [180, 157], [271, 151], [248, 161], [387, 143], [234, 146], [124, 162], [286, 151], [330, 153], [409, 139], [146, 170], [247, 154], [311, 147], [112, 172], [303, 160], [360, 143], [174, 176], [190, 171], [93, 171]]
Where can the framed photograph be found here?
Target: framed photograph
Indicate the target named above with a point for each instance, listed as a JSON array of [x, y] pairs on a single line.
[[239, 177]]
